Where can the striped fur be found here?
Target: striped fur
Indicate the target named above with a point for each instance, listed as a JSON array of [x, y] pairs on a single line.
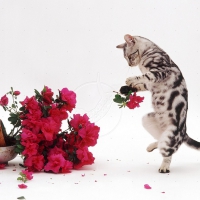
[[162, 77]]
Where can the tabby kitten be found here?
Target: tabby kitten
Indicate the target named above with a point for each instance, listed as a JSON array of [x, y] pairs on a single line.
[[162, 77]]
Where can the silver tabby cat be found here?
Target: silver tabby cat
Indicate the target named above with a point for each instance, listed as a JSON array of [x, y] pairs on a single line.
[[162, 77]]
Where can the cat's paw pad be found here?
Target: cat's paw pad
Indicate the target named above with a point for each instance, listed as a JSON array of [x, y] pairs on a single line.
[[126, 89], [164, 168]]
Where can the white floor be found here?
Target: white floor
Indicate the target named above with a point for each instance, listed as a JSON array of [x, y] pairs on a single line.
[[121, 169]]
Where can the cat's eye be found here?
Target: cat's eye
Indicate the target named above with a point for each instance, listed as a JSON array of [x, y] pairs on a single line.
[[133, 55]]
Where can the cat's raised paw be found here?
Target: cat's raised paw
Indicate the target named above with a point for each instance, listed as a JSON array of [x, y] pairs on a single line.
[[126, 89], [129, 81]]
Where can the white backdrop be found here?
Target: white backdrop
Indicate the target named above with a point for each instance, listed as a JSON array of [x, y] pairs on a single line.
[[70, 43]]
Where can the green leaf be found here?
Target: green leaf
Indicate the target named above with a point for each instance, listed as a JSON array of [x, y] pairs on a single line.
[[118, 99], [128, 95], [19, 146], [19, 179], [22, 197], [18, 150]]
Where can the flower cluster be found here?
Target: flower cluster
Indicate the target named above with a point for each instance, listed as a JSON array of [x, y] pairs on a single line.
[[41, 141], [131, 100]]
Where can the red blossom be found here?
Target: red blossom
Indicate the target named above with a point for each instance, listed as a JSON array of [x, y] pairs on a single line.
[[34, 163], [4, 100], [67, 167], [134, 101], [22, 186], [55, 162], [2, 166], [85, 158], [69, 97], [29, 175], [79, 121], [16, 93], [47, 95], [30, 149], [89, 135]]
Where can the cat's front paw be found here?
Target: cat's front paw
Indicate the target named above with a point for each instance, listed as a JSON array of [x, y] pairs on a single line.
[[130, 81], [126, 89]]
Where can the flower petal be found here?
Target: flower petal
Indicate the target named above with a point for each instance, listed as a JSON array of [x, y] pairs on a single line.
[[146, 186]]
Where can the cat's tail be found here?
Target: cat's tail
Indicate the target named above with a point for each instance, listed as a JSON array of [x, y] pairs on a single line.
[[191, 142]]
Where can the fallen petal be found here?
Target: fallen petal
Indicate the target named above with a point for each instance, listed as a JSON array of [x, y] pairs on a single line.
[[146, 186], [22, 186]]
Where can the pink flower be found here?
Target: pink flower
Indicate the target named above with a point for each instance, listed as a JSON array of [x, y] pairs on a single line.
[[69, 97], [34, 163], [67, 167], [4, 100], [27, 137], [89, 135], [28, 174], [30, 149], [85, 158], [79, 121], [47, 95], [134, 101], [22, 186], [58, 114], [55, 162], [16, 93], [50, 128], [2, 166]]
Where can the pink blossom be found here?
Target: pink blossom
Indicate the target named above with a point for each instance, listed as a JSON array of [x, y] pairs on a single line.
[[69, 97], [50, 128], [55, 162], [47, 95], [28, 174], [4, 100], [30, 149], [2, 166], [134, 101], [22, 186], [34, 163], [67, 167], [89, 135], [79, 121], [16, 93], [85, 158]]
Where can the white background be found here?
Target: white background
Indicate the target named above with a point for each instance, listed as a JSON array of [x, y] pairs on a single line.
[[71, 44]]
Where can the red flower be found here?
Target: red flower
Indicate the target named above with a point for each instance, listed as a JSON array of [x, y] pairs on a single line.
[[30, 149], [85, 157], [22, 186], [69, 97], [58, 114], [67, 167], [4, 100], [55, 162], [89, 135], [28, 174], [50, 128], [16, 93], [30, 103], [2, 166], [34, 163], [134, 101], [79, 121], [27, 137], [47, 95]]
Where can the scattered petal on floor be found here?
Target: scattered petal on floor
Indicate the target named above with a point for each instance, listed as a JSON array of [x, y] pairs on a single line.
[[82, 175], [105, 174], [146, 186], [22, 186]]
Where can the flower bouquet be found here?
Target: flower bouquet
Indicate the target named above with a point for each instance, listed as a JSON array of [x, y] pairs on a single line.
[[40, 139], [127, 98]]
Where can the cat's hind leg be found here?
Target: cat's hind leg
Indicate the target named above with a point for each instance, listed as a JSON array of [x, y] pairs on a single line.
[[150, 123]]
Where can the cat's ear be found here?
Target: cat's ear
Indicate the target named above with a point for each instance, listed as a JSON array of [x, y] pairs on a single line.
[[129, 39], [121, 46]]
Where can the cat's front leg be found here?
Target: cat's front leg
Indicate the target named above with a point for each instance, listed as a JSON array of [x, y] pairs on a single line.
[[137, 83]]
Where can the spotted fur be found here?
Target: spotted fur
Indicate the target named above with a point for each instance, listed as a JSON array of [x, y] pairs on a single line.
[[162, 77]]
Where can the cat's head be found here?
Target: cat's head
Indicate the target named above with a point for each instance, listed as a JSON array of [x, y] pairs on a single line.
[[131, 50]]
